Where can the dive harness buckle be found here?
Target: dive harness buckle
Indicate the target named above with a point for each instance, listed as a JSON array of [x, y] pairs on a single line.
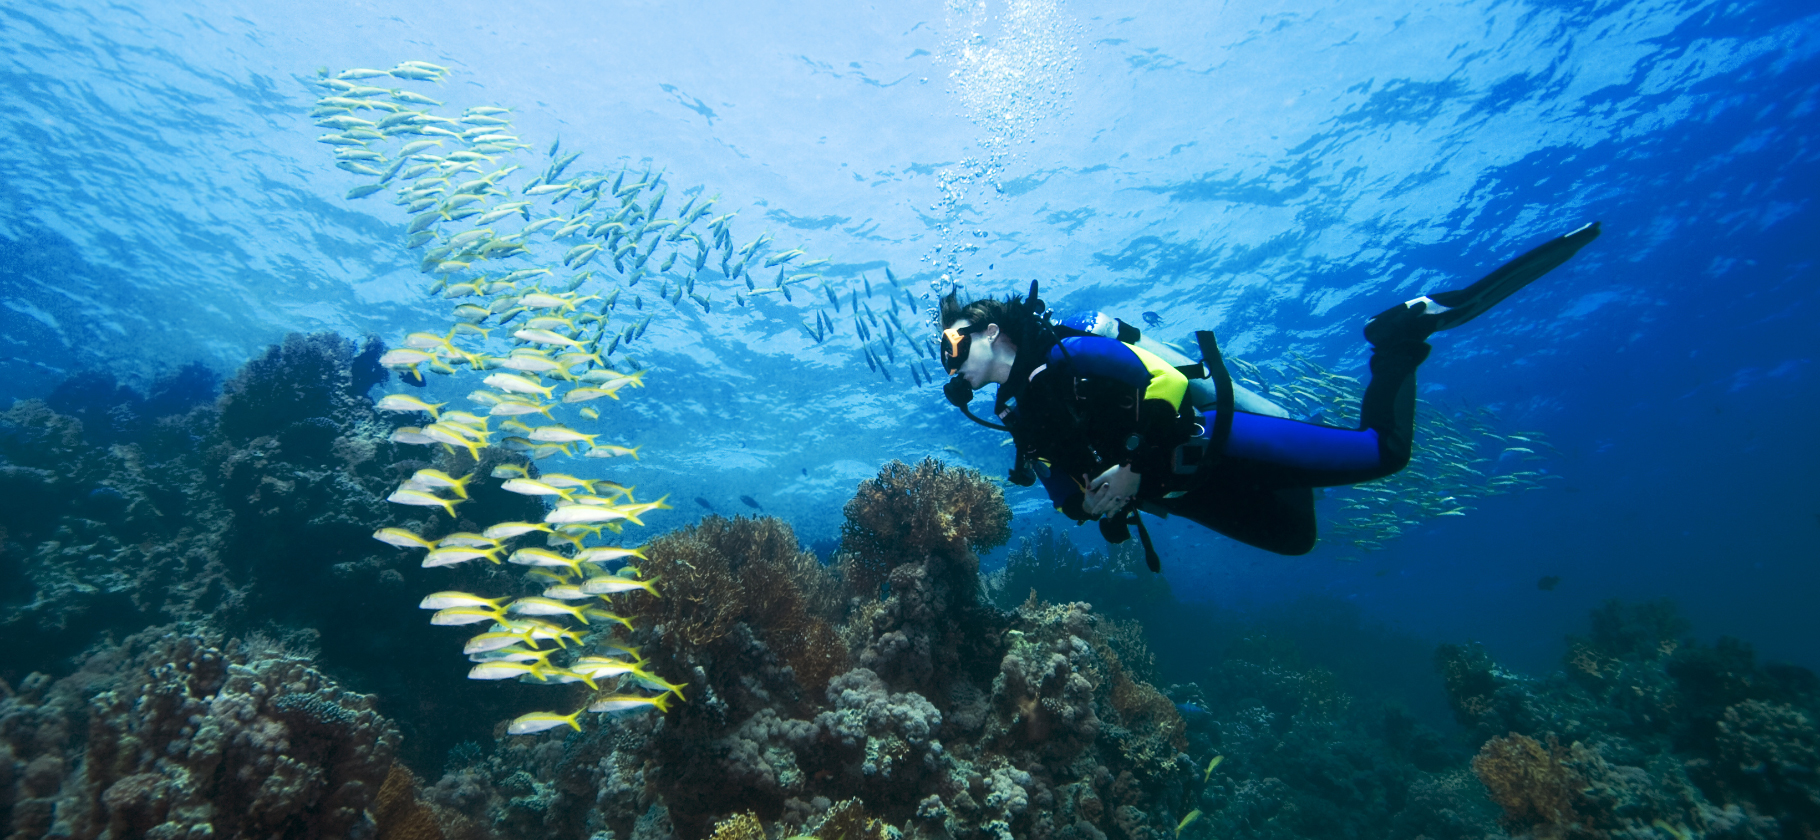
[[1203, 448]]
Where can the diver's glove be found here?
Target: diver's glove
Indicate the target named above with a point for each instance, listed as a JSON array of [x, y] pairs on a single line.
[[1115, 527], [1021, 474]]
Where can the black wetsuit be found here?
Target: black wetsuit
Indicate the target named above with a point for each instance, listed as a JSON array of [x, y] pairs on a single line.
[[1089, 403]]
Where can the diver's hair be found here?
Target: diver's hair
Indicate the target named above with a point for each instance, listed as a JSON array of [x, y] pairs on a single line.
[[1015, 321]]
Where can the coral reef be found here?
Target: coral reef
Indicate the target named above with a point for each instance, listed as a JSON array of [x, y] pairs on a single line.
[[890, 691], [253, 511], [178, 732], [919, 709], [1642, 732], [1115, 581], [908, 514]]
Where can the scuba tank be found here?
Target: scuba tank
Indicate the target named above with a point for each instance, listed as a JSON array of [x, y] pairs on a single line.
[[1201, 391]]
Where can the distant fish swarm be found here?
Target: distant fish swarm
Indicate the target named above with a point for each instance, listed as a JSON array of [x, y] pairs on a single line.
[[548, 341], [510, 242], [1461, 459]]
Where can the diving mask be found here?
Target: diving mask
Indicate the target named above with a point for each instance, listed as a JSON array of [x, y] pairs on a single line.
[[956, 342]]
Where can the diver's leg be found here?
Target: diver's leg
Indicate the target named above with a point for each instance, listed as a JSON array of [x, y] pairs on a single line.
[[1280, 452], [1389, 407], [1237, 504]]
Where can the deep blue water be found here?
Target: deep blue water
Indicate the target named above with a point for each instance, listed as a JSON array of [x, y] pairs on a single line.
[[1276, 172]]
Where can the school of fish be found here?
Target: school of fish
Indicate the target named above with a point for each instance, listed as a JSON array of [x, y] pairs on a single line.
[[523, 317], [1460, 457], [553, 256]]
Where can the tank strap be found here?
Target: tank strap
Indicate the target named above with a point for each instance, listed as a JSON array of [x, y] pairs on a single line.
[[1222, 389]]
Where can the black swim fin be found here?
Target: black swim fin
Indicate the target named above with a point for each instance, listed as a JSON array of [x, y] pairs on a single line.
[[1415, 320], [1466, 304]]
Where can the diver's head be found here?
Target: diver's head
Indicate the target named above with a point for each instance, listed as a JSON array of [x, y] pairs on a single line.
[[980, 340]]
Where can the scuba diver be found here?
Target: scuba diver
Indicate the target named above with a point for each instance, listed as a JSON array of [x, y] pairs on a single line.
[[1114, 423]]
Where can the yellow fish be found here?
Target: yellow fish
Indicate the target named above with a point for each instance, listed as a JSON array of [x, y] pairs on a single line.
[[438, 478], [458, 554], [1210, 765], [536, 605], [618, 703], [508, 530], [543, 557], [423, 499], [610, 585], [405, 403], [657, 683], [1187, 821], [444, 600], [403, 538], [452, 616], [502, 669], [608, 450], [533, 487], [605, 554], [575, 395], [517, 384], [560, 434], [539, 721]]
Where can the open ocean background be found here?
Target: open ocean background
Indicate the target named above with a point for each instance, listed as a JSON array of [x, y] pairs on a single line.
[[1275, 171]]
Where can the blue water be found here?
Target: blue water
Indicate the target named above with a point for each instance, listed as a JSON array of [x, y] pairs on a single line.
[[1274, 171]]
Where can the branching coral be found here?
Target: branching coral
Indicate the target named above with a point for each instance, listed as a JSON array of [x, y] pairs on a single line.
[[907, 514], [721, 572]]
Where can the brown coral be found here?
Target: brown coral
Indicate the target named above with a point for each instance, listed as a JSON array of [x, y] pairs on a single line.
[[398, 811], [908, 514], [723, 572], [1533, 783]]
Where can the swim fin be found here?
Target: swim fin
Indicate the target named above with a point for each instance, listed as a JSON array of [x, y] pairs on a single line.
[[1445, 310]]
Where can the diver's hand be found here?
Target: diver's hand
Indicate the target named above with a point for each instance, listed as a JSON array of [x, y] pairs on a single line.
[[1111, 491]]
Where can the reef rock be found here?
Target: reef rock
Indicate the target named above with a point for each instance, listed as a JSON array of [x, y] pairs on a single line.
[[179, 733]]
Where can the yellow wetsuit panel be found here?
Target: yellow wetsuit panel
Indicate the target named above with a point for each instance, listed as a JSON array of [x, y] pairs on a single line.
[[1166, 383]]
